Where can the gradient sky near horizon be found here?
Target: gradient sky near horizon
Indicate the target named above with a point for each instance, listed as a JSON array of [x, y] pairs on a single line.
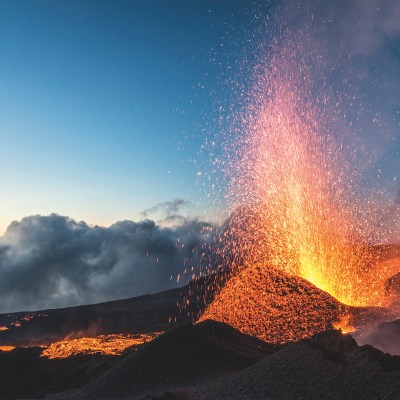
[[96, 99], [104, 110], [104, 105]]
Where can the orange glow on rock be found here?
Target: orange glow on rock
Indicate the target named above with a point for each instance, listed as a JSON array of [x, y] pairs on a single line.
[[295, 187], [272, 305], [111, 345], [344, 324], [6, 348]]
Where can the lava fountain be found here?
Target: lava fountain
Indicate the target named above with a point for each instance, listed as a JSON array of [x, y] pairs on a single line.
[[295, 173]]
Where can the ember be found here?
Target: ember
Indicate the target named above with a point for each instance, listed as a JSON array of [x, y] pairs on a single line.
[[302, 248], [295, 193]]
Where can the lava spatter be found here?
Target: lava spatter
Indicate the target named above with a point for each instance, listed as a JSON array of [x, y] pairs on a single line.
[[295, 184]]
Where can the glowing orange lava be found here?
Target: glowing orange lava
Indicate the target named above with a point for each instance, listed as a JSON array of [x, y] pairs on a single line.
[[111, 345], [344, 324], [6, 348], [295, 194], [273, 305]]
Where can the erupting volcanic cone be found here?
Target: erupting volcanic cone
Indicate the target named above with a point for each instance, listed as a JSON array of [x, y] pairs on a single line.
[[296, 184], [273, 305]]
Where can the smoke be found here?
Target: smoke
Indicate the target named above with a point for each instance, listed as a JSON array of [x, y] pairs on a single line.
[[358, 28], [371, 23], [167, 209], [54, 261], [353, 48], [384, 337], [362, 41], [369, 39]]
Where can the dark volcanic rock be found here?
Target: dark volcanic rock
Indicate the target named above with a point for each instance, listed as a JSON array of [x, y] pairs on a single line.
[[188, 355], [149, 313], [25, 374], [327, 366], [211, 361]]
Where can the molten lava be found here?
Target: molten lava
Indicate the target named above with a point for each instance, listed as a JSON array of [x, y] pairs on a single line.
[[111, 345], [16, 321], [344, 324], [303, 249], [273, 305], [6, 348], [295, 189]]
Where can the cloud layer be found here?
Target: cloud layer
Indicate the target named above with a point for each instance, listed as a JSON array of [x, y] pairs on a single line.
[[54, 261]]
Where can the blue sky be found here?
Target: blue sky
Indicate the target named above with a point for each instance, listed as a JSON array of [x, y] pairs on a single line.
[[105, 105], [97, 98]]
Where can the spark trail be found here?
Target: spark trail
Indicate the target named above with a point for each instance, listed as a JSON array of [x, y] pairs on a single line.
[[295, 183]]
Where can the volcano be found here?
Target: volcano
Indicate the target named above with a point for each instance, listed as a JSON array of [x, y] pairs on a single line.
[[203, 360], [210, 361], [327, 366], [274, 306], [279, 307]]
